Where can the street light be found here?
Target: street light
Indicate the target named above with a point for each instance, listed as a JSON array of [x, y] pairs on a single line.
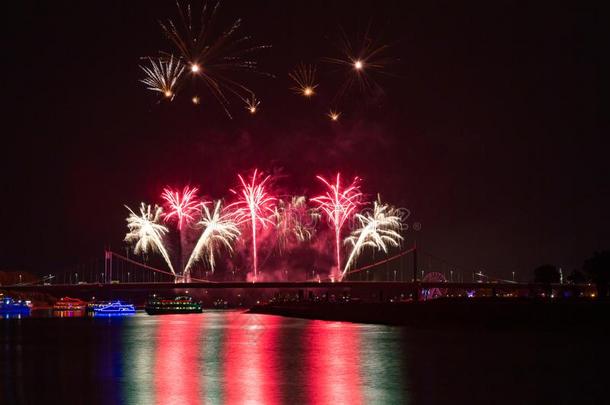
[[513, 276]]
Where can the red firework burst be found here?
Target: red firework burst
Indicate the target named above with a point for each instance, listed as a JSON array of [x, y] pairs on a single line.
[[338, 204], [181, 206], [254, 205]]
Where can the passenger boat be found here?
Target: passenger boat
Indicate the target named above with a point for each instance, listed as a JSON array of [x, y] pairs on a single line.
[[10, 306], [69, 304], [179, 305], [116, 308]]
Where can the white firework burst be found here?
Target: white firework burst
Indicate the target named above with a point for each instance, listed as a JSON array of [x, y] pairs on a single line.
[[378, 230], [146, 231]]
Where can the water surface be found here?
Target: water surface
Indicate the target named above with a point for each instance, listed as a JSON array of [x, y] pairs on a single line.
[[233, 357]]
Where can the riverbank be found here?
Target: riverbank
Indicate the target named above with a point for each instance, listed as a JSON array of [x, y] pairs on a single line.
[[479, 312]]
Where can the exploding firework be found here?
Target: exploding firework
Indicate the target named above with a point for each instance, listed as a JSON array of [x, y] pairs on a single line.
[[180, 206], [219, 229], [162, 75], [254, 205], [146, 232], [252, 104], [333, 115], [361, 61], [338, 205], [294, 221], [213, 58], [378, 230], [304, 77]]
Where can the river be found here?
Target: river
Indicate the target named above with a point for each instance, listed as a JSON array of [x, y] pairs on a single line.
[[234, 357]]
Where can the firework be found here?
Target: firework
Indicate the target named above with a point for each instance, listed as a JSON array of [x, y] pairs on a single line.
[[146, 232], [338, 204], [162, 75], [181, 206], [304, 77], [254, 205], [252, 104], [219, 229], [294, 221], [333, 115], [378, 230], [211, 57], [361, 61]]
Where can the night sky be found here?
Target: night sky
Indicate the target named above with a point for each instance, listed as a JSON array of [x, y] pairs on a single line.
[[486, 128]]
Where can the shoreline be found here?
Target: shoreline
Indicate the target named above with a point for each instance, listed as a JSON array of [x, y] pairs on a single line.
[[494, 313]]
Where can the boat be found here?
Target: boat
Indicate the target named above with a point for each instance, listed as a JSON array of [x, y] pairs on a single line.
[[182, 304], [69, 304], [116, 308], [10, 306]]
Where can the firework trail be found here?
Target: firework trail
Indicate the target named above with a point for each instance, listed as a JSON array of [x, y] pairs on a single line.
[[254, 205], [146, 231], [181, 206], [304, 77], [294, 221], [213, 58], [162, 75], [219, 229], [338, 204], [378, 230]]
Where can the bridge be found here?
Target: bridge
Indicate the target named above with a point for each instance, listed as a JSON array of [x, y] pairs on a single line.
[[398, 274]]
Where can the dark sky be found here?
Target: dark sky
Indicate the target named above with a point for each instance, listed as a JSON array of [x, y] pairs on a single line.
[[486, 129]]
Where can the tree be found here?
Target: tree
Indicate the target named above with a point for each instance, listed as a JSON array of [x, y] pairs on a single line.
[[547, 274], [598, 269]]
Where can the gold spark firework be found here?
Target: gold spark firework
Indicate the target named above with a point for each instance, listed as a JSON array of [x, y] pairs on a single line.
[[304, 77], [333, 115], [212, 58], [162, 75], [361, 60], [252, 104], [294, 221]]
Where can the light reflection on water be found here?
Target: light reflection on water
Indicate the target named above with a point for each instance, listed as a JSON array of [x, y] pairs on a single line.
[[211, 358], [232, 357]]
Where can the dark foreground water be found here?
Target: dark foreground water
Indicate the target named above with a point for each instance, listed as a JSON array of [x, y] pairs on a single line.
[[236, 358]]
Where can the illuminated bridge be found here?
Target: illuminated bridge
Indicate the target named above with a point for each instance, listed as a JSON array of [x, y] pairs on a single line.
[[394, 276]]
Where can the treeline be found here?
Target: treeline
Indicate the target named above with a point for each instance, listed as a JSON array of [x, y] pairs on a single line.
[[595, 270]]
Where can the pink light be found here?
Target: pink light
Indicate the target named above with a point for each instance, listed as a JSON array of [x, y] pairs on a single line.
[[254, 205], [180, 206], [338, 205], [250, 359], [334, 372], [176, 356]]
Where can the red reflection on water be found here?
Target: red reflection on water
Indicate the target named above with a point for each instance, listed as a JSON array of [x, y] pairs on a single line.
[[250, 359], [177, 360], [333, 363]]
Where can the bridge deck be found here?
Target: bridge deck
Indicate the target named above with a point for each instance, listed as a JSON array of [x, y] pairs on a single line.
[[285, 285]]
